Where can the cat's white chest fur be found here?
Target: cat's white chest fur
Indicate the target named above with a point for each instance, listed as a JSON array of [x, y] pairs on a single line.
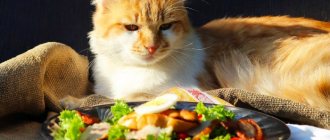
[[127, 80], [117, 80], [121, 81]]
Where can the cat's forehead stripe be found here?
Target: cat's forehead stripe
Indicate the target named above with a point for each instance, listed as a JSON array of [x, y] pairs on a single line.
[[153, 12], [148, 11]]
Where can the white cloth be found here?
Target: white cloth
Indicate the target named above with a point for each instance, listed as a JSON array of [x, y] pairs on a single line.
[[306, 132]]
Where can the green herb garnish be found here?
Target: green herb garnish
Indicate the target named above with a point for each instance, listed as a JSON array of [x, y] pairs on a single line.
[[223, 137], [118, 110], [164, 136], [151, 137], [70, 126], [204, 137], [216, 112], [161, 136], [117, 132]]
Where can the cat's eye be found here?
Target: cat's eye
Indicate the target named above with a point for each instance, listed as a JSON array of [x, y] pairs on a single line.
[[131, 27], [165, 26]]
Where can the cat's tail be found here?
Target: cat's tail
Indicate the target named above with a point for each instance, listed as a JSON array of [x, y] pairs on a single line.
[[236, 70]]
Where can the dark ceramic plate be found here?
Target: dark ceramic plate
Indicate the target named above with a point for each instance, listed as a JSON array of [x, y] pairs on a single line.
[[273, 128]]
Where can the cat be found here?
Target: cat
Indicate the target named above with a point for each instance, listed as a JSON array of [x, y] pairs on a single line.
[[145, 47]]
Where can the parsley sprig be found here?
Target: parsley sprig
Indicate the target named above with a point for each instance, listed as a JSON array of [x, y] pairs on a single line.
[[216, 112], [118, 110], [70, 125]]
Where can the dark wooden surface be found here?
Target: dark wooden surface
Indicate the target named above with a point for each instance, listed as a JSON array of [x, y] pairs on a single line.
[[26, 23]]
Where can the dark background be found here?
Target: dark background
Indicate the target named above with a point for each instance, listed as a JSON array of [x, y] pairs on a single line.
[[27, 23]]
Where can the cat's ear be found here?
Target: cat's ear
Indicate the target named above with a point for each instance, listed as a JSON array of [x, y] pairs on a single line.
[[101, 3]]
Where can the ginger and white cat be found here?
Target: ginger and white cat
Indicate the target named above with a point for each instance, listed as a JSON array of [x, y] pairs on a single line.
[[143, 47]]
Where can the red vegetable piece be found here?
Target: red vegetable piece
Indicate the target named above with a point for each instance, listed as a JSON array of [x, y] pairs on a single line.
[[82, 129], [235, 138], [200, 116], [88, 119], [182, 136]]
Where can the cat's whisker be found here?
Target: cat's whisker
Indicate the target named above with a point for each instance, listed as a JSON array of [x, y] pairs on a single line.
[[174, 9], [174, 59], [206, 2], [175, 3], [189, 44], [83, 50], [194, 49], [177, 60], [178, 51], [182, 53], [200, 49], [91, 64], [182, 8], [191, 9]]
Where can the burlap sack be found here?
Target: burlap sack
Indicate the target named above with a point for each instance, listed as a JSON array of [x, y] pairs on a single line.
[[35, 81], [32, 85]]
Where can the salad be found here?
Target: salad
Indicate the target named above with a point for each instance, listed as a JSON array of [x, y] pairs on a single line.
[[157, 120]]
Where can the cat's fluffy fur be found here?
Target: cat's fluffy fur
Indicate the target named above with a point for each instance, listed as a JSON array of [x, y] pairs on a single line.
[[278, 56]]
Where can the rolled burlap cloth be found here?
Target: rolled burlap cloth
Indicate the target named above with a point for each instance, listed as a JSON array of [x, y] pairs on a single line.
[[36, 80]]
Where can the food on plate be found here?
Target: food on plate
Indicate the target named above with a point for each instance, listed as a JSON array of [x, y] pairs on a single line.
[[158, 119], [169, 118], [158, 104]]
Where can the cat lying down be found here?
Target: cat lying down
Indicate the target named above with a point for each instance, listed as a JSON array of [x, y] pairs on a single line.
[[144, 47]]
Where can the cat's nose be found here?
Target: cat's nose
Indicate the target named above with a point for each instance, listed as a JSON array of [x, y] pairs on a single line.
[[152, 49]]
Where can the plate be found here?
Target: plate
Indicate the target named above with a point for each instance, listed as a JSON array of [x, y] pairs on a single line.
[[273, 128]]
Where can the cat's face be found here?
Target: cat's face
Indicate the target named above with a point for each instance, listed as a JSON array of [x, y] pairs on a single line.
[[140, 32]]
